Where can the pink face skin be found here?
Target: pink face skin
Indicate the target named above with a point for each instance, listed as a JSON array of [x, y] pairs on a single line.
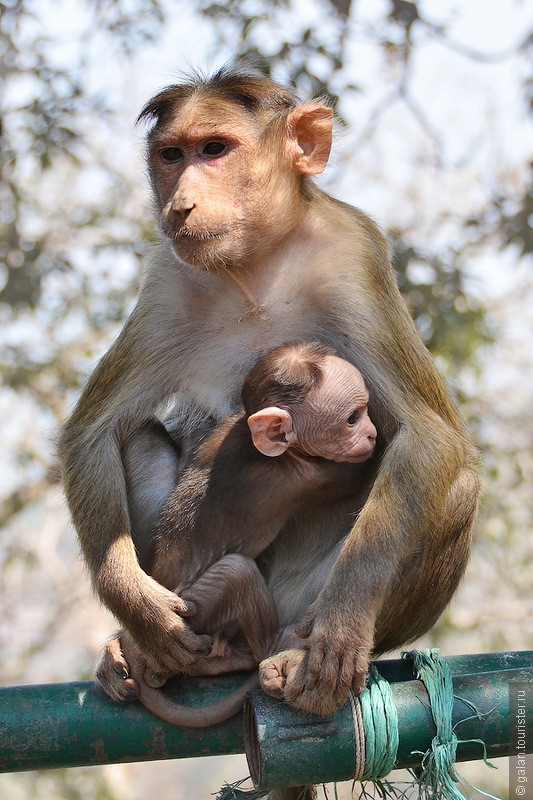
[[333, 422]]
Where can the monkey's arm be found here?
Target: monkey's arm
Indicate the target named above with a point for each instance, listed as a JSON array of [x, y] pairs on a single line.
[[119, 397]]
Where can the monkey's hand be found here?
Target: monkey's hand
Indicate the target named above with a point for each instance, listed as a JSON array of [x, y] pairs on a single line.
[[167, 643], [318, 676]]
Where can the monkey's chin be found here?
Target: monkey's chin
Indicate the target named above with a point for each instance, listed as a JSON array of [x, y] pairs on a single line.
[[204, 252], [199, 253], [355, 458]]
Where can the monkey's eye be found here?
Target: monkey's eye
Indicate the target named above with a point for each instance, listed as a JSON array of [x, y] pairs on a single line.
[[352, 419], [171, 154], [214, 149]]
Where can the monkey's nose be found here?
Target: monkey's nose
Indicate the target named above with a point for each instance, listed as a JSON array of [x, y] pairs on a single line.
[[372, 434], [182, 206]]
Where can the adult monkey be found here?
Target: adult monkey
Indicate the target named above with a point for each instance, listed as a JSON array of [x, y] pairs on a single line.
[[254, 255]]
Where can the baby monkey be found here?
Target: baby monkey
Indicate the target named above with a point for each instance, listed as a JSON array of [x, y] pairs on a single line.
[[305, 408]]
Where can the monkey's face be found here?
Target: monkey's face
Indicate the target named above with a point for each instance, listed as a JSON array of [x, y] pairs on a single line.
[[333, 421], [218, 194]]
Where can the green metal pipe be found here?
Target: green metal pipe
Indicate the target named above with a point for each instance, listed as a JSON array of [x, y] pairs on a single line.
[[287, 748], [75, 724]]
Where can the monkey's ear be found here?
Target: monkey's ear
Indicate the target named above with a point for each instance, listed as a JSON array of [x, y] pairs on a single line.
[[309, 135], [272, 431]]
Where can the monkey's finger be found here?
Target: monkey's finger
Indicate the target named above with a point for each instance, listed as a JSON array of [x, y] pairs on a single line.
[[358, 683], [120, 689], [315, 702], [323, 668], [185, 608], [181, 649], [319, 658], [274, 673], [315, 668], [177, 638], [344, 681], [296, 669], [360, 673], [113, 653], [271, 679], [195, 644], [112, 673], [321, 693]]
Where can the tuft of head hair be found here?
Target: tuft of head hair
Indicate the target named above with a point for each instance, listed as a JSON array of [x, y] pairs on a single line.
[[249, 90], [285, 376]]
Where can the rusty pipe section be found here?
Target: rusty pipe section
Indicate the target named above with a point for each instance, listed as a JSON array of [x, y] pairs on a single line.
[[75, 724]]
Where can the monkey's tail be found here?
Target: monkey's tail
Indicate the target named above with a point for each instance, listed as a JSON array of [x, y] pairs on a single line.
[[162, 706], [194, 716]]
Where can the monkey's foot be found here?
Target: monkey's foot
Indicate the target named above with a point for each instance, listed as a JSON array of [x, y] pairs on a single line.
[[314, 683], [220, 647], [112, 672], [278, 673]]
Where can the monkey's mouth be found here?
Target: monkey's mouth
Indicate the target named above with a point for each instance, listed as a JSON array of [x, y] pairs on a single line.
[[187, 235]]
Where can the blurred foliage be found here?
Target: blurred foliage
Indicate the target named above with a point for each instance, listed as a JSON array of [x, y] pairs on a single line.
[[451, 323], [518, 226], [130, 25], [44, 133]]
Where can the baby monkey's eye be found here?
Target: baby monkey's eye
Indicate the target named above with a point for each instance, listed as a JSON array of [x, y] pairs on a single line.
[[352, 419]]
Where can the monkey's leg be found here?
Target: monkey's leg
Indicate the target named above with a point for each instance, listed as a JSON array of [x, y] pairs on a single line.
[[428, 578], [233, 589], [152, 466]]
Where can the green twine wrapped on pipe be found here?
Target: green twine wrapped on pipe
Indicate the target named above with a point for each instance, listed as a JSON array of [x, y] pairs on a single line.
[[438, 772], [380, 724], [438, 777]]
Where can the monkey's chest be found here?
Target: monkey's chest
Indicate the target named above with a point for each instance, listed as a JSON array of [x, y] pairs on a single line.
[[223, 346]]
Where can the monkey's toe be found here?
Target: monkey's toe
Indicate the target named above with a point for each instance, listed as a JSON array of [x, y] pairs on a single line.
[[276, 672]]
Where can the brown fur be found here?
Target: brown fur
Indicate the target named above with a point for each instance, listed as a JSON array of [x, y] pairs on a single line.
[[287, 262]]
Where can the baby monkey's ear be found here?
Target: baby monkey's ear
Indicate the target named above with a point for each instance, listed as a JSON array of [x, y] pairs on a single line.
[[272, 430]]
